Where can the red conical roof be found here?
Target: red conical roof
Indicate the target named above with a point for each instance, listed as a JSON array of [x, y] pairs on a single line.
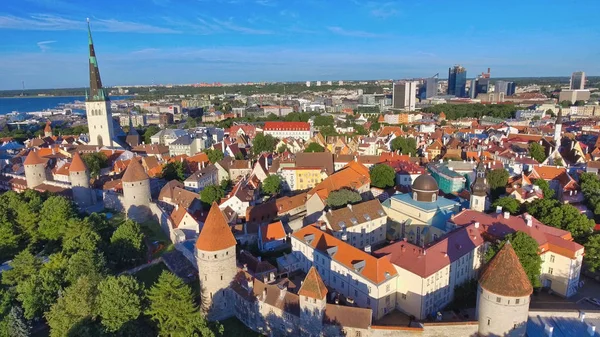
[[33, 159], [216, 234], [48, 128], [504, 275], [134, 172], [313, 285], [77, 164]]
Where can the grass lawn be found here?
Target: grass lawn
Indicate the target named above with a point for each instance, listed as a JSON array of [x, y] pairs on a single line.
[[235, 328], [150, 275], [153, 232]]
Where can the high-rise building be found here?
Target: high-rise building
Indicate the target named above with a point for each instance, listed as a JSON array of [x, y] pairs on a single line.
[[308, 83], [578, 80], [473, 88], [457, 81], [405, 94], [508, 88], [429, 88], [97, 105]]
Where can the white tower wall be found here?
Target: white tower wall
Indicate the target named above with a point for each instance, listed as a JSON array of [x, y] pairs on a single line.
[[216, 272]]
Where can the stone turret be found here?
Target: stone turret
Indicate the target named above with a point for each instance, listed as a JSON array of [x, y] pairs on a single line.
[[79, 176], [503, 296], [136, 192], [48, 130], [215, 255], [35, 169], [313, 300]]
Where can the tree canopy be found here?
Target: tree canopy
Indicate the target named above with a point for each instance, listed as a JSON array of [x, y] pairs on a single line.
[[119, 301], [95, 162], [263, 143], [590, 187], [457, 111], [383, 176], [406, 145], [174, 171], [527, 250], [564, 216], [343, 197], [323, 120], [314, 147], [497, 179], [211, 193], [544, 187], [508, 204], [271, 185], [127, 245], [149, 132], [537, 152], [214, 155]]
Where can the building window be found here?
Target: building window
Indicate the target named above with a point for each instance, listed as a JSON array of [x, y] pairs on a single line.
[[550, 271], [517, 301], [552, 258], [403, 296], [489, 321], [498, 299]]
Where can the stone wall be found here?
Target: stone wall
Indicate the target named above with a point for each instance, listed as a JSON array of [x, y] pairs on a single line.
[[459, 329], [113, 201]]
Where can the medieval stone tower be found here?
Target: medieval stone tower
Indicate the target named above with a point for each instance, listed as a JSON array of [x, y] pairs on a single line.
[[48, 130], [313, 300], [35, 169], [80, 182], [215, 253], [97, 104], [503, 296], [136, 192], [479, 190]]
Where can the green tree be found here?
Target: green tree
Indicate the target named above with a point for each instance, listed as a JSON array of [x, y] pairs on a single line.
[[24, 266], [579, 103], [271, 185], [551, 113], [342, 197], [314, 147], [149, 132], [566, 104], [544, 187], [383, 176], [119, 301], [9, 240], [263, 143], [127, 245], [375, 126], [497, 179], [508, 204], [323, 120], [592, 253], [282, 148], [405, 145], [85, 263], [174, 171], [558, 161], [225, 184], [80, 236], [17, 324], [76, 304], [537, 152], [95, 162], [328, 131], [54, 217], [172, 308], [239, 156], [527, 250], [211, 193], [564, 216], [590, 187], [214, 155]]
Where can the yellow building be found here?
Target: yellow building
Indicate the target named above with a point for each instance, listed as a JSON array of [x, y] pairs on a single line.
[[301, 178]]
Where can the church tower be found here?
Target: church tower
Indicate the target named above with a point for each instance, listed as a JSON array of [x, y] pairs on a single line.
[[215, 255], [97, 104], [479, 189]]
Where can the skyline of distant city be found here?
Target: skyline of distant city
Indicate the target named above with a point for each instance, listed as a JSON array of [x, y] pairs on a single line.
[[44, 42]]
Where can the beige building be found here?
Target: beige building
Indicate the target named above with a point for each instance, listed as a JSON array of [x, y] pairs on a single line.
[[574, 95], [362, 225]]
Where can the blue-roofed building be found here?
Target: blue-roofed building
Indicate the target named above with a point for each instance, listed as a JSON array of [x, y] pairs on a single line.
[[447, 179], [420, 216]]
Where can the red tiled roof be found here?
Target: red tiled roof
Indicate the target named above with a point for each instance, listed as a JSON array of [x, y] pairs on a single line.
[[273, 231], [504, 275], [283, 126], [135, 172], [77, 164], [33, 159], [313, 285], [216, 234]]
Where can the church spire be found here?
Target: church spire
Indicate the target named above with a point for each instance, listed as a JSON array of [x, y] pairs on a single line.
[[96, 90]]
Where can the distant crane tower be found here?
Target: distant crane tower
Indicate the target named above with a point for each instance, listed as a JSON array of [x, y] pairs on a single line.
[[23, 91], [436, 75]]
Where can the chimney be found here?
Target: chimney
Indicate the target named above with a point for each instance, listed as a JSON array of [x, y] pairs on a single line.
[[246, 268], [349, 206], [581, 316], [591, 329], [223, 146], [264, 294], [323, 226], [368, 248], [498, 209], [476, 224], [266, 163], [344, 237], [548, 329], [506, 215], [259, 258], [529, 220]]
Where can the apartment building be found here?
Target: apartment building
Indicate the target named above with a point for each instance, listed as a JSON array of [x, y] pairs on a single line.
[[206, 176], [301, 178], [362, 225], [288, 129]]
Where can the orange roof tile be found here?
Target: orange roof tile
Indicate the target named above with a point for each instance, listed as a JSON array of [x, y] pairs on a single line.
[[272, 231], [216, 234], [313, 285], [48, 128], [33, 159], [504, 275], [135, 172], [77, 164]]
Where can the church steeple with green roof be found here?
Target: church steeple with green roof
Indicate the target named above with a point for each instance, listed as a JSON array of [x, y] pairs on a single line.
[[96, 91]]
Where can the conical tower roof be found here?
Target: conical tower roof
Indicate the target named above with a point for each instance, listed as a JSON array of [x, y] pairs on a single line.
[[48, 128], [313, 285], [504, 275], [134, 172], [77, 164], [96, 91], [33, 159], [216, 234]]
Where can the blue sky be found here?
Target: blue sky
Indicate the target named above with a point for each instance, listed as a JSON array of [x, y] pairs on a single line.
[[44, 42]]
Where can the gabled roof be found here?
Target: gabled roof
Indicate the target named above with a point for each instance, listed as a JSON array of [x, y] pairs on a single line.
[[77, 164], [273, 231], [216, 234], [33, 159], [504, 275], [313, 285], [134, 172]]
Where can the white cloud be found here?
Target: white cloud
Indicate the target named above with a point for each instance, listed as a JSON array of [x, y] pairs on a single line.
[[57, 23], [354, 33], [229, 25], [44, 45]]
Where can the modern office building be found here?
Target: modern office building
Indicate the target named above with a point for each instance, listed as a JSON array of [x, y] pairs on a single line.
[[405, 94], [508, 88], [457, 81], [429, 88], [578, 80]]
